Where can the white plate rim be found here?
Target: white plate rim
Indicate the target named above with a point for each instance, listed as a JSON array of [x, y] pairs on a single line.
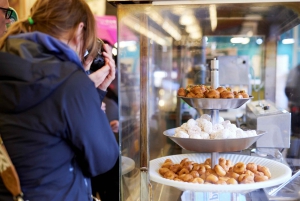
[[280, 173]]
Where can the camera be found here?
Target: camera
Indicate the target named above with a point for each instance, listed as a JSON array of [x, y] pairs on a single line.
[[99, 60]]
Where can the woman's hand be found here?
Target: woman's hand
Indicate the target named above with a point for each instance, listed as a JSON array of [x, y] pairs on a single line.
[[105, 75]]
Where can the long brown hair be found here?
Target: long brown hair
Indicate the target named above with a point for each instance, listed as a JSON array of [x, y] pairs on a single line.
[[58, 17]]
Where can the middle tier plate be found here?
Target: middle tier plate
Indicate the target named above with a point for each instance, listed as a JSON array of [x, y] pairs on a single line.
[[213, 145], [214, 103]]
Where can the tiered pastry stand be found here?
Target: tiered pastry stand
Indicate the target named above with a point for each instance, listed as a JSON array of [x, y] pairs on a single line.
[[280, 172]]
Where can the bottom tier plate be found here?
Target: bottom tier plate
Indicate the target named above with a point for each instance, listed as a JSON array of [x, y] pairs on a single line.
[[279, 171]]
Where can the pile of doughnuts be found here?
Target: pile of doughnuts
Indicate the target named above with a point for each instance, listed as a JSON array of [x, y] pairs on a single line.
[[203, 91], [224, 173]]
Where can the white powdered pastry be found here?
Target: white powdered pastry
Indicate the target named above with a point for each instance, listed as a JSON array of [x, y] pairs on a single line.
[[221, 119], [231, 127], [222, 134], [204, 135], [191, 123], [194, 130], [179, 129], [205, 116], [182, 134], [226, 123], [217, 127], [196, 136], [202, 128], [240, 133]]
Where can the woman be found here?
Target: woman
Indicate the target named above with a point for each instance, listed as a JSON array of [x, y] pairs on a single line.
[[50, 117]]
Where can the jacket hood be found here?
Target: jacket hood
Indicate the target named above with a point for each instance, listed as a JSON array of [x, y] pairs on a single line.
[[32, 66]]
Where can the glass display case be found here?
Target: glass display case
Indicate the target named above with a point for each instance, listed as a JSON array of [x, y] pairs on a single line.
[[166, 45]]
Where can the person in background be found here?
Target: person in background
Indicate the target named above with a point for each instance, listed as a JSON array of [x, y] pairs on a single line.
[[5, 14], [107, 186], [292, 91], [51, 122]]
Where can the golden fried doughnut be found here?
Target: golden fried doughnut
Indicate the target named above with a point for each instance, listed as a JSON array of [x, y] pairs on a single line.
[[264, 170], [183, 171], [211, 171], [195, 174], [202, 170], [245, 179], [198, 89], [169, 175], [239, 168], [252, 167], [233, 175], [207, 166], [181, 92], [212, 178], [207, 161], [221, 89], [219, 170], [188, 165], [244, 94], [177, 179], [186, 177], [231, 181], [221, 182], [258, 173], [260, 178], [198, 180], [213, 93], [203, 176], [168, 160], [226, 94], [196, 166], [238, 95], [191, 95], [175, 168], [248, 172], [162, 171], [184, 160], [167, 165]]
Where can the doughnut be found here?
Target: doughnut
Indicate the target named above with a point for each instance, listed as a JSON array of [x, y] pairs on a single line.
[[259, 178], [196, 166], [224, 178], [169, 175], [181, 92], [207, 161], [238, 95], [186, 177], [252, 167], [202, 170], [194, 173], [221, 182], [177, 179], [212, 179], [191, 95], [239, 168], [264, 170], [227, 94], [221, 89], [219, 170], [162, 171], [233, 175], [248, 172], [245, 179], [188, 165], [213, 93], [243, 93], [167, 164], [198, 180], [168, 160], [231, 181], [184, 160], [175, 168], [183, 171]]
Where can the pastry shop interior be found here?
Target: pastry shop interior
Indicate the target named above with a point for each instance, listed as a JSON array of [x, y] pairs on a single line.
[[209, 104]]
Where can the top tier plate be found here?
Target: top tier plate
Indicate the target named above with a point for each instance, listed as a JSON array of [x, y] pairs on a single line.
[[214, 103]]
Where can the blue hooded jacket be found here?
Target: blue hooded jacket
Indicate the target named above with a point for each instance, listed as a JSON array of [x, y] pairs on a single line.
[[51, 121]]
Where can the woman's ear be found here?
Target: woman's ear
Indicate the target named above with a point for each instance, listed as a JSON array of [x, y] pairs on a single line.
[[77, 40]]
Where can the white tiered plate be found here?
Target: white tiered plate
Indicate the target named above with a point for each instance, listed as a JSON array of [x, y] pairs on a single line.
[[213, 145], [280, 173]]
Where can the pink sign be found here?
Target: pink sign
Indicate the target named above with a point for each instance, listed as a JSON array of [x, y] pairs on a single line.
[[107, 28]]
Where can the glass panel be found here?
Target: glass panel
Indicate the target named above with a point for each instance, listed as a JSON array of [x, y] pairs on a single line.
[[175, 44]]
